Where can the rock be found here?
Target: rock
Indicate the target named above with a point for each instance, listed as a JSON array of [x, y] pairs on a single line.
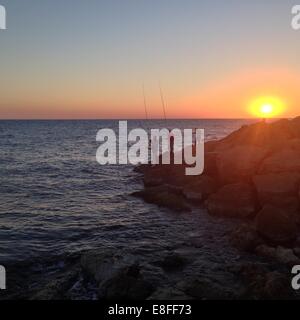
[[169, 174], [295, 124], [263, 284], [103, 264], [279, 190], [245, 238], [167, 293], [293, 145], [265, 251], [253, 275], [287, 256], [57, 288], [192, 196], [282, 255], [279, 132], [199, 190], [206, 289], [128, 284], [177, 176], [276, 185], [157, 175], [210, 146], [272, 136], [297, 252], [152, 181], [248, 135], [276, 286], [164, 196], [239, 163], [117, 274], [210, 163], [154, 175], [275, 225], [142, 168], [297, 242], [251, 270], [287, 160], [234, 200]]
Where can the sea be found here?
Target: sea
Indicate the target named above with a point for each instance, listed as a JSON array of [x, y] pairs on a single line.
[[56, 199]]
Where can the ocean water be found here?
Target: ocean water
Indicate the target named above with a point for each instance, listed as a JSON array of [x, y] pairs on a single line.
[[55, 199]]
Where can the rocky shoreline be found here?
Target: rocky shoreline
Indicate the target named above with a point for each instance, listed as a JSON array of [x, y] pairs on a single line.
[[183, 273], [251, 177]]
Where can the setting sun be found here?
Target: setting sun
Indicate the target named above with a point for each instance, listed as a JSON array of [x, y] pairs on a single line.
[[267, 107]]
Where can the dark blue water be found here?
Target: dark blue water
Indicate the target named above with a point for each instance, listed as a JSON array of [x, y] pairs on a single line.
[[56, 199]]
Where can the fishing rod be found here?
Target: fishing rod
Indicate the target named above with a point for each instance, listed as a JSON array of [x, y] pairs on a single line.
[[163, 102], [145, 102]]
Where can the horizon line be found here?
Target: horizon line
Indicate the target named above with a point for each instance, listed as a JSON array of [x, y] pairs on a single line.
[[135, 119]]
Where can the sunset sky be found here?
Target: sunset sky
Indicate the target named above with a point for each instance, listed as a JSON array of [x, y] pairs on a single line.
[[69, 59]]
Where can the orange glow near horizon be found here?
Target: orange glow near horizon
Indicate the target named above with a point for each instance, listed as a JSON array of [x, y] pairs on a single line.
[[245, 93], [267, 107]]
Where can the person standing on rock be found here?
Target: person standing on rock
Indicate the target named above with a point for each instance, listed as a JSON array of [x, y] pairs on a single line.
[[154, 151]]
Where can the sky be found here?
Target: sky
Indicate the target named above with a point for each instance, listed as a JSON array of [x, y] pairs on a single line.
[[78, 59]]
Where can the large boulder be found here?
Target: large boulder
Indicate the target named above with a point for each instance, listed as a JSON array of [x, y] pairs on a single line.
[[58, 287], [282, 255], [287, 160], [245, 238], [117, 273], [128, 284], [200, 189], [254, 135], [169, 174], [272, 136], [293, 144], [164, 196], [205, 288], [287, 256], [105, 263], [234, 200], [211, 145], [210, 163], [297, 252], [169, 293], [277, 286], [263, 284], [239, 163], [269, 185], [275, 225], [279, 190], [154, 175], [295, 124]]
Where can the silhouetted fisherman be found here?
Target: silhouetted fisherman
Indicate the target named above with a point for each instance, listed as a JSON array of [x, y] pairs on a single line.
[[172, 141]]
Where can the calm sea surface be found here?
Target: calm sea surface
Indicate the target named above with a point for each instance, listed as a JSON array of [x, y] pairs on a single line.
[[56, 199]]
